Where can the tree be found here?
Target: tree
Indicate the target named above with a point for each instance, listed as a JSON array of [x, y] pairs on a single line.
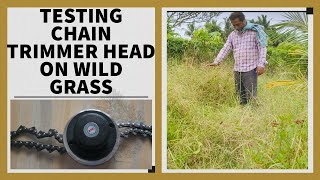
[[262, 20], [252, 21], [212, 26], [294, 30], [228, 28], [170, 30], [294, 27], [177, 18], [190, 29], [274, 37]]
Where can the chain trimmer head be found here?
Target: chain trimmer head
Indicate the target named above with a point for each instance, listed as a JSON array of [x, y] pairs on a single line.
[[91, 137]]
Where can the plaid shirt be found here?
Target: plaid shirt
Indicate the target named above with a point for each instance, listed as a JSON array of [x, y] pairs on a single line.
[[247, 52]]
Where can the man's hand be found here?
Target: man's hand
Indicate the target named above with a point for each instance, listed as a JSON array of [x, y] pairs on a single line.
[[260, 70], [213, 64]]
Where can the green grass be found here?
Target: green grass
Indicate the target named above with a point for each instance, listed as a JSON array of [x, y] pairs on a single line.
[[208, 129]]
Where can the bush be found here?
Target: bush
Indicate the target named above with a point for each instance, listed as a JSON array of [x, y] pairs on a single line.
[[287, 55], [202, 47], [176, 47]]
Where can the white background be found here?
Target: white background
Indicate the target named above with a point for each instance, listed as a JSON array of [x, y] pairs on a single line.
[[25, 26]]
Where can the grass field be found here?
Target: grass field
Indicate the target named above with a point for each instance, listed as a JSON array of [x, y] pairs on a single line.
[[208, 129]]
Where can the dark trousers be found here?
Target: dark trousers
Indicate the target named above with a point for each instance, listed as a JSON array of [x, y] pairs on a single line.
[[246, 85]]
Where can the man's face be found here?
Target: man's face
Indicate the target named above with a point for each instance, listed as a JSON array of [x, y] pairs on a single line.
[[237, 24]]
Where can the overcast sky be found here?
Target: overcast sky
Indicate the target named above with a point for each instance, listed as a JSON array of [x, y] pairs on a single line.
[[274, 17]]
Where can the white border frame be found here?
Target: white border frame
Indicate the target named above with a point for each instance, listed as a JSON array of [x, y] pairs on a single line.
[[164, 95], [89, 170]]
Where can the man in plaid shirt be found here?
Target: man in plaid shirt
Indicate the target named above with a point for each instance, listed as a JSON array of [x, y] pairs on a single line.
[[248, 42]]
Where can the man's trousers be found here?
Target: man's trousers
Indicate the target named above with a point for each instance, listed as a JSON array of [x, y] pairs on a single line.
[[246, 85]]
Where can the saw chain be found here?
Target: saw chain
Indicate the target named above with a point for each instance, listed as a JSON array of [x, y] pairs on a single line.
[[91, 137]]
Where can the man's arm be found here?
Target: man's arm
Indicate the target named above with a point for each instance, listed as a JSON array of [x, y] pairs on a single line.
[[224, 51], [262, 62]]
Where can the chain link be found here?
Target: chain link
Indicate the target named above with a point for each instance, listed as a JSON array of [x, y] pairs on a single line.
[[39, 134], [135, 129], [132, 128], [38, 146]]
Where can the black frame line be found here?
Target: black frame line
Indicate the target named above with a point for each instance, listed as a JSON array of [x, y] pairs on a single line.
[[152, 170], [84, 97], [307, 10], [310, 10]]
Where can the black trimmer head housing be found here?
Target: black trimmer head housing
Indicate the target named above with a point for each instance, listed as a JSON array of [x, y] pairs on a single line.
[[91, 137]]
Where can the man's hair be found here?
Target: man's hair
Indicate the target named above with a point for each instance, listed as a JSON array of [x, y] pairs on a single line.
[[236, 15]]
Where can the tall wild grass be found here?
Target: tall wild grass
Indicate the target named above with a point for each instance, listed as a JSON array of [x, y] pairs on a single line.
[[208, 129]]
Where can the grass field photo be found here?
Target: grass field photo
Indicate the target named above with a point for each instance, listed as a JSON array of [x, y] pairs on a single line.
[[207, 128]]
